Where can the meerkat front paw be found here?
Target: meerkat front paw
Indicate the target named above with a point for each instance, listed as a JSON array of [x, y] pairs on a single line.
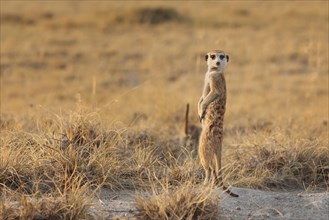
[[200, 114], [203, 114]]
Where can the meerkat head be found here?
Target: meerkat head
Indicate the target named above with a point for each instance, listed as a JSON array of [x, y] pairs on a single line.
[[217, 60]]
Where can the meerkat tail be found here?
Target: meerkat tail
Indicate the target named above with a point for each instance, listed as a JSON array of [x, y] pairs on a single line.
[[219, 181], [186, 118], [228, 191]]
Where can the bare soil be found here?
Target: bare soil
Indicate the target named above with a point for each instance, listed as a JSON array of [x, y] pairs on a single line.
[[251, 204]]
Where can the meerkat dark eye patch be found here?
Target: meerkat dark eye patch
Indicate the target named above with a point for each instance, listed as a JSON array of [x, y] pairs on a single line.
[[213, 56], [221, 57]]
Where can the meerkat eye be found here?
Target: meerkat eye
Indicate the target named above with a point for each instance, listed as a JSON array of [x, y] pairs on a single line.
[[221, 57], [212, 56]]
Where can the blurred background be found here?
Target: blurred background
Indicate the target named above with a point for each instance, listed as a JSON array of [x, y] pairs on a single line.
[[141, 62]]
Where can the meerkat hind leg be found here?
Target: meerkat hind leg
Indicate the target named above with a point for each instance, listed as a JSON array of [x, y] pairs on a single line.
[[218, 174], [208, 175]]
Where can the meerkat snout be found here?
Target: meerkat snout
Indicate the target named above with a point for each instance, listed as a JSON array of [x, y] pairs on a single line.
[[218, 63]]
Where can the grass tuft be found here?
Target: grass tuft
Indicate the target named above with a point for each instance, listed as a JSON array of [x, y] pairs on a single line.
[[186, 201], [72, 203]]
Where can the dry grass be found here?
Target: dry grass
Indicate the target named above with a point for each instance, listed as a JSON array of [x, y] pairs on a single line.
[[277, 163], [135, 68]]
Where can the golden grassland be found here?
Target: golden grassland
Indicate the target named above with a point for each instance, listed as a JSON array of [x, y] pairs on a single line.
[[93, 95]]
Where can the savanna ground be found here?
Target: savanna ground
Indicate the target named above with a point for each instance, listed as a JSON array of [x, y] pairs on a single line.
[[93, 97]]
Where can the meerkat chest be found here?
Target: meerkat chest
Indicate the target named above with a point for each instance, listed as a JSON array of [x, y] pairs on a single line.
[[217, 107], [214, 81]]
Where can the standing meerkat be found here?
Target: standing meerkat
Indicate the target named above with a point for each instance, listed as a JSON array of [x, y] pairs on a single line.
[[211, 109]]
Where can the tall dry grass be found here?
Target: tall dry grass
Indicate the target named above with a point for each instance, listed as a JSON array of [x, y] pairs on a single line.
[[79, 155]]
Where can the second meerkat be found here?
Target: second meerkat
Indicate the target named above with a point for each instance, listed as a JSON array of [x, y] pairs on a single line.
[[211, 110]]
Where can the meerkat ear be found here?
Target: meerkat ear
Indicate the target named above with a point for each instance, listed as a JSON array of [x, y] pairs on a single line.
[[227, 58], [206, 57]]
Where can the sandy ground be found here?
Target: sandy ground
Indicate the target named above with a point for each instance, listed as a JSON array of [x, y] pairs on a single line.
[[257, 204], [252, 204]]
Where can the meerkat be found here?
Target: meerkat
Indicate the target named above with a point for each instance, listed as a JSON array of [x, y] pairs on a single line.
[[211, 109]]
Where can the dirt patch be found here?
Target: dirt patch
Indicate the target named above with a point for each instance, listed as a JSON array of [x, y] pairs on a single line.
[[257, 204]]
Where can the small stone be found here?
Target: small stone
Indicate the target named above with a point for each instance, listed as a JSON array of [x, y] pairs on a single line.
[[238, 208]]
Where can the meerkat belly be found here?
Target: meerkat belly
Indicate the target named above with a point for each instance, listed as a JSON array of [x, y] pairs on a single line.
[[215, 113]]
